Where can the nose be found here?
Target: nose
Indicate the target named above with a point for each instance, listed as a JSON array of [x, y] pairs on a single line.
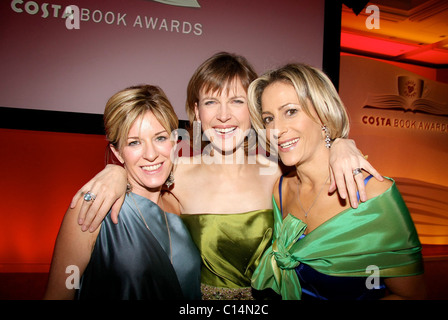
[[150, 153], [279, 129], [223, 114]]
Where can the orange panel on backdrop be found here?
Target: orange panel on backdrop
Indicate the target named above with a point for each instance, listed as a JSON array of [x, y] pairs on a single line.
[[399, 117], [40, 173]]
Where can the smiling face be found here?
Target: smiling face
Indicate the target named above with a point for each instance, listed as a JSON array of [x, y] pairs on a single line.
[[298, 136], [224, 116], [146, 154]]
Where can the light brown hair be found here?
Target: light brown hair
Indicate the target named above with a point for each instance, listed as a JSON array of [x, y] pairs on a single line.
[[215, 74], [127, 105]]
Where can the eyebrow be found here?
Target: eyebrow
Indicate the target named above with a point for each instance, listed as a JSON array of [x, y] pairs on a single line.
[[214, 98], [282, 107], [288, 104], [157, 133]]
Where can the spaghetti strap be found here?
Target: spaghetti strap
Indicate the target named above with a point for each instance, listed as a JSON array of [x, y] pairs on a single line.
[[366, 179], [280, 194]]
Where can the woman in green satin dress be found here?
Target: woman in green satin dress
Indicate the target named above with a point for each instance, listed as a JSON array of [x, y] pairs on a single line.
[[223, 192], [322, 248]]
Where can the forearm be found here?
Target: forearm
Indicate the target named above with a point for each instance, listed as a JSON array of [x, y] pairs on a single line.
[[406, 288]]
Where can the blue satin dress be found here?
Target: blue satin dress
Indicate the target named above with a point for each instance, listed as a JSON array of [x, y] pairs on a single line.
[[131, 262]]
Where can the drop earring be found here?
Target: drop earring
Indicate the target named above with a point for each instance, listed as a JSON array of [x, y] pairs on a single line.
[[197, 135], [327, 137], [169, 182]]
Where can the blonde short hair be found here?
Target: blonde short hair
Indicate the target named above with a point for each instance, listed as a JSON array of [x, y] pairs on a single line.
[[313, 88], [127, 105]]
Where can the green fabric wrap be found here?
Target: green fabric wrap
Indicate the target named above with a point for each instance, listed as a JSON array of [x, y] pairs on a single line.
[[379, 232]]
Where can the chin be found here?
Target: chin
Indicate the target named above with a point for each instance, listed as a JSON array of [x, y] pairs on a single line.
[[288, 161], [226, 149], [155, 183]]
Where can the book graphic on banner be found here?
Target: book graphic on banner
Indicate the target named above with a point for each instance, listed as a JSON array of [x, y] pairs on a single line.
[[410, 98], [181, 3]]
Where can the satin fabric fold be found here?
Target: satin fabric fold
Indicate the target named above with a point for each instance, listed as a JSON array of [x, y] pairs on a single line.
[[380, 232], [131, 262], [231, 245]]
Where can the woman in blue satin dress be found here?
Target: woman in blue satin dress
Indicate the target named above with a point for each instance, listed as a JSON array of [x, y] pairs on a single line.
[[149, 254]]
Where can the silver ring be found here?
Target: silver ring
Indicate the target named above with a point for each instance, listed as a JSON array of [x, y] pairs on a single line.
[[357, 171], [89, 196]]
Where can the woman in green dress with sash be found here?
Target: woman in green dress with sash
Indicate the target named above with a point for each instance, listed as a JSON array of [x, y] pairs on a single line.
[[322, 248]]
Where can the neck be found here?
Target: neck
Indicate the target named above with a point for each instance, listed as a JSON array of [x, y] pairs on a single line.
[[315, 170], [151, 194], [231, 158]]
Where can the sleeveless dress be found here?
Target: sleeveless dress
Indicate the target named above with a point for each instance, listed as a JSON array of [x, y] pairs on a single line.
[[131, 262], [231, 246], [335, 260]]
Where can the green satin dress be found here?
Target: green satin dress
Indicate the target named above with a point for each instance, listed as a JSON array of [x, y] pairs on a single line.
[[380, 233], [231, 246]]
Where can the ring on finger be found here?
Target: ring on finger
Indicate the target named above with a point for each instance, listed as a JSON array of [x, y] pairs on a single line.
[[357, 171], [89, 196]]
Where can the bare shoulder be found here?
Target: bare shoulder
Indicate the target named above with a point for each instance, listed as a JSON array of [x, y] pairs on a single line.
[[288, 179], [374, 187], [276, 192]]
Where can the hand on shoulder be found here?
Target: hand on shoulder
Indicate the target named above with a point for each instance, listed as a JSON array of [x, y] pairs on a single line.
[[374, 187]]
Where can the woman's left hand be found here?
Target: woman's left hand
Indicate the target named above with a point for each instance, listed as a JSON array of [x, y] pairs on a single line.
[[344, 159]]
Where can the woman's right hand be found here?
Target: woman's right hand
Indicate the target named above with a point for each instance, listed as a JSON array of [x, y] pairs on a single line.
[[109, 186]]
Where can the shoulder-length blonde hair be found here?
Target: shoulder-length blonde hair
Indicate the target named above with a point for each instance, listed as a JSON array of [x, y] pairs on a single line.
[[127, 105], [313, 88]]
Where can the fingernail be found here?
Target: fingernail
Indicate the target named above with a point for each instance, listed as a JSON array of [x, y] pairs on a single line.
[[84, 228], [80, 221]]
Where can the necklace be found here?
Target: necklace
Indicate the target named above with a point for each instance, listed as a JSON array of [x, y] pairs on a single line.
[[315, 199], [147, 227]]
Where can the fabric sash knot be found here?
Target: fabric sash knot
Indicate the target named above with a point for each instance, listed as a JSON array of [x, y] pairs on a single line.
[[277, 269]]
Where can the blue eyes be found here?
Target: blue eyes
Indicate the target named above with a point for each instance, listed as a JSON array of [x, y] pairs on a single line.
[[161, 138], [156, 139], [133, 143]]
